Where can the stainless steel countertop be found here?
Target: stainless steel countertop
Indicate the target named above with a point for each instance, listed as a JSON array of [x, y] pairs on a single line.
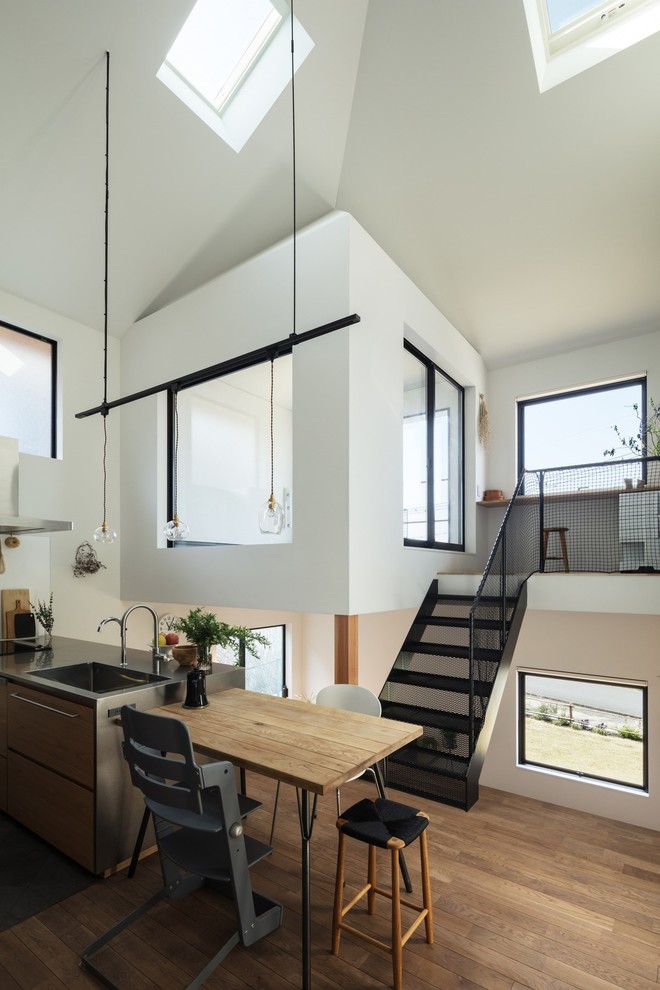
[[23, 667]]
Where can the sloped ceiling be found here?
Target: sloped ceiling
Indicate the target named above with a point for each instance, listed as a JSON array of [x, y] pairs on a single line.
[[532, 221]]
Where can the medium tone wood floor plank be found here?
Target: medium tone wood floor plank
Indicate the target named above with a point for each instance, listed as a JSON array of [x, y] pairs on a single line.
[[527, 896]]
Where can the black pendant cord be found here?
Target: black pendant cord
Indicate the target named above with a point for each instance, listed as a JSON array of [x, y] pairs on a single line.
[[105, 288], [271, 500], [293, 160], [175, 487], [107, 197]]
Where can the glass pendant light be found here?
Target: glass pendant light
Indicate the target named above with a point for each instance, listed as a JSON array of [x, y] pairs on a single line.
[[271, 513], [104, 533], [175, 528]]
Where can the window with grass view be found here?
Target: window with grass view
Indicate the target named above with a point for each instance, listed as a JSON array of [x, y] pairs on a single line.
[[595, 729]]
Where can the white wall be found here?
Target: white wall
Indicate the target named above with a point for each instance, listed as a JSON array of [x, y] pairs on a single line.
[[383, 573], [69, 487], [610, 641], [347, 554]]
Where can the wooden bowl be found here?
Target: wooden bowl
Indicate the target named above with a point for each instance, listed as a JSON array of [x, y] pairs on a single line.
[[185, 656]]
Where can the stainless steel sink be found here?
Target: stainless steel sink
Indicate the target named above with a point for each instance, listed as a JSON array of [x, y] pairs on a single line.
[[100, 678]]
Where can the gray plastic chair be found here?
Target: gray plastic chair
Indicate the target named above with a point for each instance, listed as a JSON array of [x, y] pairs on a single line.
[[349, 698], [197, 821]]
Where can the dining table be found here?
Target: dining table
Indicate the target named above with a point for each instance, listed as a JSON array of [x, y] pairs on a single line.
[[313, 748]]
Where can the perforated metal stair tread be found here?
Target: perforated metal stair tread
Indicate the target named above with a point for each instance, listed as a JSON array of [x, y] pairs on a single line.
[[441, 682], [446, 650], [441, 720], [456, 622]]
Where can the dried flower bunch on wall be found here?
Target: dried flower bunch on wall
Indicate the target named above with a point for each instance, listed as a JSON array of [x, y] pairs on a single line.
[[86, 561], [483, 426]]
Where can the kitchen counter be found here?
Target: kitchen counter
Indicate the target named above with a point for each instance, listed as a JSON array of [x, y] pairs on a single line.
[[22, 665], [60, 746]]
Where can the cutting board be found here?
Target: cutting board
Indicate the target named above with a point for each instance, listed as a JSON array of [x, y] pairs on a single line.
[[15, 602]]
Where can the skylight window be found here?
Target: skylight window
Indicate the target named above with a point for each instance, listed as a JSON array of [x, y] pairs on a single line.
[[230, 62], [569, 36], [563, 12]]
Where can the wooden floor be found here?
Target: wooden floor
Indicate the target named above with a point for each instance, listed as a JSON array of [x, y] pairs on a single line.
[[526, 895]]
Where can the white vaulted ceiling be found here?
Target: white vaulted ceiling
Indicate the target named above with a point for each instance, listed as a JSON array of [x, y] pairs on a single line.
[[532, 221]]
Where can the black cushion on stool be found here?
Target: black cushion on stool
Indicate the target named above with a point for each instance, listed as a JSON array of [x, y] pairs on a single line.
[[376, 822]]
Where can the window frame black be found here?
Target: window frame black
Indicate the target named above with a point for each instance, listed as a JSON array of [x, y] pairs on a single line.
[[611, 682], [431, 369], [242, 652], [572, 393], [53, 379]]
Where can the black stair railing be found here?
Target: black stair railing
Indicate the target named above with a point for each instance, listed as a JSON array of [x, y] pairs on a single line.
[[610, 512]]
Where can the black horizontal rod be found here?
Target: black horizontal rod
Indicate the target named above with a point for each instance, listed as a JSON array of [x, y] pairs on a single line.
[[267, 353]]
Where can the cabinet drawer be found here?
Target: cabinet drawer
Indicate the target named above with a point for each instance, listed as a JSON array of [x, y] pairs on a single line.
[[53, 731], [58, 810], [3, 718]]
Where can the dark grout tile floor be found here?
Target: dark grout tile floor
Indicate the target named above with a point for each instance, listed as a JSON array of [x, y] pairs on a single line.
[[33, 875]]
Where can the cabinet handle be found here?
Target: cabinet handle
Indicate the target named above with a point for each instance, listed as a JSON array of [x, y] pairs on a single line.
[[58, 711]]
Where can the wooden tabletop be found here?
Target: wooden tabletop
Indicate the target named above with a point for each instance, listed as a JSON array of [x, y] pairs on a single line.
[[302, 744]]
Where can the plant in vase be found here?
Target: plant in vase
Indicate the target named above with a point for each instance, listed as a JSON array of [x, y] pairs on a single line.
[[204, 630], [44, 615]]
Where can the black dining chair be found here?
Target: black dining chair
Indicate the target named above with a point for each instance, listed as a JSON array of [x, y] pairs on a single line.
[[199, 833]]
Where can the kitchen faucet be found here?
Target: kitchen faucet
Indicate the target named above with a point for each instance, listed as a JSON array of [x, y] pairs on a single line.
[[156, 655]]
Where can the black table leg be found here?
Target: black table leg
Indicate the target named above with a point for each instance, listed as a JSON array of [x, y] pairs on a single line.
[[306, 816]]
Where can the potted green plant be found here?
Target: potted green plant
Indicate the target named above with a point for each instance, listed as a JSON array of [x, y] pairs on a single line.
[[203, 629], [44, 614]]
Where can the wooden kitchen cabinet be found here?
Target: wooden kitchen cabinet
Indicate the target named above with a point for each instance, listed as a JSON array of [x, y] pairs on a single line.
[[50, 769], [3, 746]]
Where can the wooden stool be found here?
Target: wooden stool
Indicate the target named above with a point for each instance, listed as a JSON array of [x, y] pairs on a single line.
[[561, 532], [391, 826]]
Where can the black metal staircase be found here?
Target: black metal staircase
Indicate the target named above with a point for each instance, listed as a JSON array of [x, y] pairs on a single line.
[[450, 672], [438, 684]]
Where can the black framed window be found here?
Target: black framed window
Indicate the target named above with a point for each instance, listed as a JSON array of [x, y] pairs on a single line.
[[591, 728], [28, 376], [577, 426], [266, 672], [433, 455]]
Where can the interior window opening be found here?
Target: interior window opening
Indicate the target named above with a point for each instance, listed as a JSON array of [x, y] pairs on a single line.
[[224, 454]]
